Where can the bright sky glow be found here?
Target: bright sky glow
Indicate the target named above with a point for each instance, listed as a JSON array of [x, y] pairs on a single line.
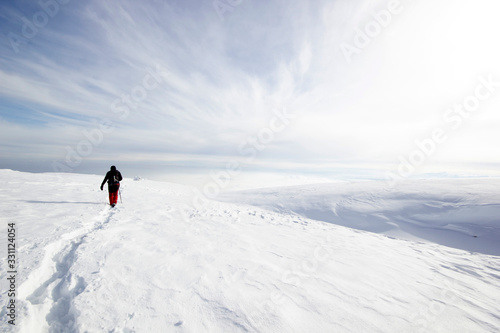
[[281, 85]]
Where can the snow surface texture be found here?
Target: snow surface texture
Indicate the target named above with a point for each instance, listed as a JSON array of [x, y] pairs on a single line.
[[163, 262], [460, 213]]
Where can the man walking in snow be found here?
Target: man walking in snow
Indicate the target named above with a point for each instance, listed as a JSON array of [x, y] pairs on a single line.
[[113, 177]]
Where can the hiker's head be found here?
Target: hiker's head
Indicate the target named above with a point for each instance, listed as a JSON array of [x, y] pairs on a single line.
[[113, 168]]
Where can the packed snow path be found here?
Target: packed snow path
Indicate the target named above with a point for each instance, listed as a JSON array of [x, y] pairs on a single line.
[[161, 263]]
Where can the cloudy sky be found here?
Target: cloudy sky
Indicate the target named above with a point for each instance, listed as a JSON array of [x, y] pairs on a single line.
[[405, 87]]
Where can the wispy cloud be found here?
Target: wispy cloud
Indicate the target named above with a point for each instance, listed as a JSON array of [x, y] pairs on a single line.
[[176, 80]]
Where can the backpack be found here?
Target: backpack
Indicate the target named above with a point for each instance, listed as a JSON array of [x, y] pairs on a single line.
[[115, 179]]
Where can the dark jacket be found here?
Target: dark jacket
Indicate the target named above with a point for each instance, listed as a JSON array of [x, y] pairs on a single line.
[[113, 177]]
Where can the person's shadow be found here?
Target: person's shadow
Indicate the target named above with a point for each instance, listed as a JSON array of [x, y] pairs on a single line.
[[63, 202]]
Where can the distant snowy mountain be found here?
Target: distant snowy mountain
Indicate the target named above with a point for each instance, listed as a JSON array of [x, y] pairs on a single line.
[[162, 262]]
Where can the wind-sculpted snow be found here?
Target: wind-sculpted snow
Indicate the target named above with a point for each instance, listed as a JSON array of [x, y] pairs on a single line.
[[160, 263], [463, 214]]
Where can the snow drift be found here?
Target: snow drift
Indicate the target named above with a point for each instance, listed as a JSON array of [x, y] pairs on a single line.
[[460, 213], [159, 263]]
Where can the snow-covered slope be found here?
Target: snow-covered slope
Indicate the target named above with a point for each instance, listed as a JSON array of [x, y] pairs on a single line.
[[461, 213], [161, 263]]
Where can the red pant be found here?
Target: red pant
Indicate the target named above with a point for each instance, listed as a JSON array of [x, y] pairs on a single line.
[[113, 194]]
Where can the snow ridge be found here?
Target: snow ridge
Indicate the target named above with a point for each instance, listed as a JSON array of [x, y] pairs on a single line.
[[461, 213]]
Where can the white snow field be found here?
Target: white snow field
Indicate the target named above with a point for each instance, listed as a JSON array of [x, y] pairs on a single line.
[[460, 213], [166, 261]]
